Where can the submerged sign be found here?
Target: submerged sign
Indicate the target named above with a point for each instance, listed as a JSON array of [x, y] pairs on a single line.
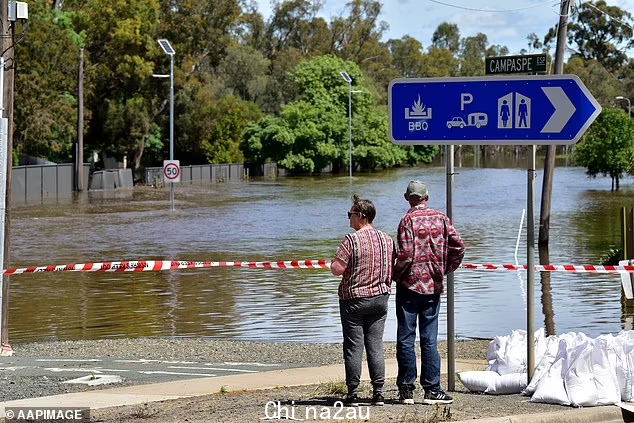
[[513, 110], [531, 63]]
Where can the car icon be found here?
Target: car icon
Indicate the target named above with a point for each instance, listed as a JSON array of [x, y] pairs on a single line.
[[457, 121]]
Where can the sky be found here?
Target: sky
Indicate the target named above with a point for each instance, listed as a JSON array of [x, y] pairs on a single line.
[[505, 22]]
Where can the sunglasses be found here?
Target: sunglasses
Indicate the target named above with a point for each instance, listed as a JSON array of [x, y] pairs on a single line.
[[351, 213]]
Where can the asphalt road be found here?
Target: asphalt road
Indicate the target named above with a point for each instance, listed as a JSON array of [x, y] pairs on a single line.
[[137, 370]]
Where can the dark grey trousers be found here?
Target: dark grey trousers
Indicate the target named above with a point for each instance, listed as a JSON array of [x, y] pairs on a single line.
[[363, 324]]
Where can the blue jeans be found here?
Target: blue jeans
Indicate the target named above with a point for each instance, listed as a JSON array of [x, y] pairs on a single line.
[[410, 307]]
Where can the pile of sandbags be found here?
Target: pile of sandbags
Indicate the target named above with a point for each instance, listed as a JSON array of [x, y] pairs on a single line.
[[572, 369]]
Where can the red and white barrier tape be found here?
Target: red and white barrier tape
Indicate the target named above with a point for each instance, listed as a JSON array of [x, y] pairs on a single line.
[[158, 265], [551, 268]]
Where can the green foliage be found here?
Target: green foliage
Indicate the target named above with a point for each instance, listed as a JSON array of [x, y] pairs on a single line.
[[597, 78], [597, 36], [232, 67], [228, 118], [45, 112], [407, 57], [612, 257], [243, 70], [153, 146], [312, 133], [447, 37], [608, 147]]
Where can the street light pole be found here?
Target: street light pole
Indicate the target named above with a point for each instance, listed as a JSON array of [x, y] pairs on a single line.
[[350, 125], [172, 126], [629, 105], [167, 48], [347, 78]]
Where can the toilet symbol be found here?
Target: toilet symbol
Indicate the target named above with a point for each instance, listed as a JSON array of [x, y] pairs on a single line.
[[514, 111], [523, 111], [505, 113]]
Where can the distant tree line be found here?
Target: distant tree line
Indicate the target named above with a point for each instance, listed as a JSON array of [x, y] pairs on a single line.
[[256, 90]]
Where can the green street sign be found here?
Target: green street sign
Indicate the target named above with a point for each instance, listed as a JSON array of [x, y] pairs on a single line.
[[530, 63]]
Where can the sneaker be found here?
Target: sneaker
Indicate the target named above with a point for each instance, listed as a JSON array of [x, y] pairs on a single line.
[[377, 399], [352, 401], [405, 396], [437, 398]]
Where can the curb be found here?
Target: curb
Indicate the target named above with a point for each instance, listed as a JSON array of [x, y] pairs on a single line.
[[602, 414]]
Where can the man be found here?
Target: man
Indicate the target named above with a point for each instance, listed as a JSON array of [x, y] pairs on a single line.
[[429, 248]]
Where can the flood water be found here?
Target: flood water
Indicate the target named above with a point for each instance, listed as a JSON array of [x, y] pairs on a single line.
[[299, 219]]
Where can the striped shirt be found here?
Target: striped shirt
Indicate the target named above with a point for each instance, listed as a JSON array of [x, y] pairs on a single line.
[[429, 247], [369, 255]]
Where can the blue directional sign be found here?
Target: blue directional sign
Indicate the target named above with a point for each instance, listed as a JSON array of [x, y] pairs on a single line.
[[514, 110]]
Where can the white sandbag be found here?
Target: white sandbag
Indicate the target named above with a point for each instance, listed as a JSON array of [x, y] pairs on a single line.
[[604, 373], [578, 379], [550, 387], [478, 380], [541, 344], [510, 383], [624, 352], [513, 359], [497, 349], [547, 360]]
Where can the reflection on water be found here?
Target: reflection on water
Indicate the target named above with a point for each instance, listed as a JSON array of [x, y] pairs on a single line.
[[548, 309], [297, 219]]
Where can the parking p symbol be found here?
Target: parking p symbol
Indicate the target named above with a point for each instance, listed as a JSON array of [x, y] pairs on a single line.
[[465, 98]]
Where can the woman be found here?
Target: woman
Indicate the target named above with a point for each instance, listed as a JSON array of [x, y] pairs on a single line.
[[365, 258]]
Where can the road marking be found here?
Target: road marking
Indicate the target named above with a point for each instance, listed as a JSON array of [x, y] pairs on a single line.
[[144, 361], [232, 363], [158, 372], [82, 369], [220, 369]]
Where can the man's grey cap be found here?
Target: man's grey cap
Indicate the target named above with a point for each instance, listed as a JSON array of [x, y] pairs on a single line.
[[416, 189]]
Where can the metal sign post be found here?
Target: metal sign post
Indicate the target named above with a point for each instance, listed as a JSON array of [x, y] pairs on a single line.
[[167, 49], [4, 138]]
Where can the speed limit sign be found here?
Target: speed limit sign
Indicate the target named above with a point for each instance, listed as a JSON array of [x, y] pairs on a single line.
[[171, 171]]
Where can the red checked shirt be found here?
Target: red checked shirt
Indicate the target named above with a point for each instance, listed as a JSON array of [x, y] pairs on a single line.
[[370, 255], [429, 247]]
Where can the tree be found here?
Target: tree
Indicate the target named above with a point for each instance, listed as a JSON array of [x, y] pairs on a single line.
[[407, 57], [447, 36], [440, 62], [244, 71], [200, 30], [603, 85], [599, 32], [357, 38], [228, 119], [608, 147], [120, 45], [46, 114], [295, 24], [312, 133], [472, 54], [534, 44]]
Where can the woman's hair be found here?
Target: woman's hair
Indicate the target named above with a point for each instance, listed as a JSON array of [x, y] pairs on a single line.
[[365, 207]]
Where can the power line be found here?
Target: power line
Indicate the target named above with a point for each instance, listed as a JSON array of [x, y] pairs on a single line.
[[606, 14], [549, 2]]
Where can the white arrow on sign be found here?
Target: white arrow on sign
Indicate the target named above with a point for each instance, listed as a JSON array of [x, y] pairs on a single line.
[[564, 109]]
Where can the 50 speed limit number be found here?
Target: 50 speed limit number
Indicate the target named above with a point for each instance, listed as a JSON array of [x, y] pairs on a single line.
[[171, 171]]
